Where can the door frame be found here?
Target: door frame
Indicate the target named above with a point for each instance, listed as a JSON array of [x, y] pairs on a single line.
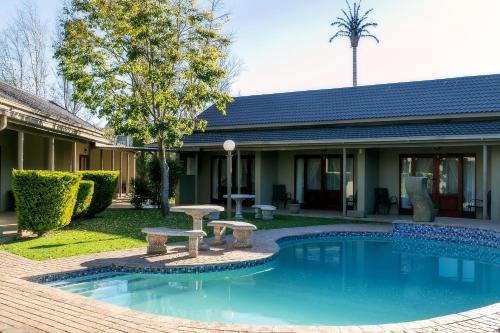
[[323, 158], [436, 196], [234, 183]]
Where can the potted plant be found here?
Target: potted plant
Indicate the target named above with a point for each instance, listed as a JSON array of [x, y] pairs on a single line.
[[294, 207]]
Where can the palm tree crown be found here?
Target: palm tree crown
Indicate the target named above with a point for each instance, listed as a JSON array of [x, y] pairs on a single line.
[[353, 25]]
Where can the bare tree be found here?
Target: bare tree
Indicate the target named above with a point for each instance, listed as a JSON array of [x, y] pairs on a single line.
[[231, 63], [24, 55]]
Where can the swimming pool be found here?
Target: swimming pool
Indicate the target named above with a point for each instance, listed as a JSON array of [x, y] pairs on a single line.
[[335, 280]]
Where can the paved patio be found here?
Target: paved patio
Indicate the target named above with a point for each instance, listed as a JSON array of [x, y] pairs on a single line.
[[31, 307]]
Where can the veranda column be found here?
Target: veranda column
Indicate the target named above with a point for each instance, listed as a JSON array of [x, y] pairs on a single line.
[[73, 156], [127, 181], [113, 160], [20, 150], [238, 171], [485, 182], [120, 186], [51, 154], [344, 178]]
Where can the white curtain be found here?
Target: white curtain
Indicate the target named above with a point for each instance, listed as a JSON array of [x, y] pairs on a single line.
[[448, 176], [469, 169], [314, 174], [405, 172]]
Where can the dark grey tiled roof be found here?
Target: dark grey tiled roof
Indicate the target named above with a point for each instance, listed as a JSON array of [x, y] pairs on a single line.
[[41, 105], [347, 133], [475, 94]]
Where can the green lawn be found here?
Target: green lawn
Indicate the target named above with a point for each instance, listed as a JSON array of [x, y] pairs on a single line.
[[118, 229]]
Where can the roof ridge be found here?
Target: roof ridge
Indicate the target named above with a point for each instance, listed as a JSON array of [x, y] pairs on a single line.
[[371, 85]]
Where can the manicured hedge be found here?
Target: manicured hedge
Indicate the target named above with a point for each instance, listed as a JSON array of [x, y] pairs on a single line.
[[44, 199], [104, 189], [83, 199]]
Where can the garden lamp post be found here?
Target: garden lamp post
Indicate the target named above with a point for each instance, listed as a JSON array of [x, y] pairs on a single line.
[[229, 146]]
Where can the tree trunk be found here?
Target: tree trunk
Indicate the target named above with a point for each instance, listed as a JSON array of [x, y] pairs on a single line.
[[165, 207], [354, 66]]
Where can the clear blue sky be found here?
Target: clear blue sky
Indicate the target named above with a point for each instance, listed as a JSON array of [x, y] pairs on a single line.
[[284, 43]]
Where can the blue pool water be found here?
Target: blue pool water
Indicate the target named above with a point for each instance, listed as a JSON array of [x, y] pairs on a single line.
[[333, 281]]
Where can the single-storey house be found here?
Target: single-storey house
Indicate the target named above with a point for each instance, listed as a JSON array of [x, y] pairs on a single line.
[[38, 134], [333, 148]]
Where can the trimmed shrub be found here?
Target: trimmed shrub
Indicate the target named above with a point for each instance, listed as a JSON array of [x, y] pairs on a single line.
[[140, 192], [83, 199], [44, 199], [104, 189]]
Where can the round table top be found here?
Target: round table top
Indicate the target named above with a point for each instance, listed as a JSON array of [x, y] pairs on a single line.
[[197, 208], [241, 196]]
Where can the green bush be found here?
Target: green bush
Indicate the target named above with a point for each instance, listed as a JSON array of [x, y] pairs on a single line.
[[83, 199], [44, 199], [104, 189], [154, 177], [140, 192]]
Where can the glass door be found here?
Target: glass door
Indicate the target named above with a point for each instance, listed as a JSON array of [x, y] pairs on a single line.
[[450, 182], [319, 183], [219, 177]]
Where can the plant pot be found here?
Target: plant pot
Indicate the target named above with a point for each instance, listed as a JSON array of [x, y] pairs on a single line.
[[294, 208]]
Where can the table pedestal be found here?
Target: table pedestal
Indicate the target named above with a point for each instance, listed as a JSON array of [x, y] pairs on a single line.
[[198, 225], [238, 215]]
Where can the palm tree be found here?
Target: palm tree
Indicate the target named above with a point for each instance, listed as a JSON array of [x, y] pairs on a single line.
[[354, 26]]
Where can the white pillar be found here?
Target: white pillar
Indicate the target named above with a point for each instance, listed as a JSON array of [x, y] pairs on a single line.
[[120, 185], [485, 182], [344, 183], [20, 150], [74, 156], [51, 154], [238, 171], [127, 184]]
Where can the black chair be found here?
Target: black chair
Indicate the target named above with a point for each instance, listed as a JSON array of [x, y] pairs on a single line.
[[280, 195], [477, 204], [382, 199]]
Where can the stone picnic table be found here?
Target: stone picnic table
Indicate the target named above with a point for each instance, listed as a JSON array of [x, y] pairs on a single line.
[[197, 212], [238, 198]]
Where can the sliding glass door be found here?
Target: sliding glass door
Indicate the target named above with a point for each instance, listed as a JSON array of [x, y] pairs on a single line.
[[219, 177], [451, 181], [318, 181]]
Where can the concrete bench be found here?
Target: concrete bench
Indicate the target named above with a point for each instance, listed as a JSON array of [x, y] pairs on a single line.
[[157, 239], [264, 212], [242, 232]]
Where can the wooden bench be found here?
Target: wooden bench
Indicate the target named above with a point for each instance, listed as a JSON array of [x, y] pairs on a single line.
[[264, 212], [157, 239], [242, 232]]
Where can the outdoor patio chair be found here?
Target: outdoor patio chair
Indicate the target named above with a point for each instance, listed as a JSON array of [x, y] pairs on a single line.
[[280, 195], [382, 199], [477, 204]]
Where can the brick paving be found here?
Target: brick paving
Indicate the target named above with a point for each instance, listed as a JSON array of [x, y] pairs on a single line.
[[30, 307]]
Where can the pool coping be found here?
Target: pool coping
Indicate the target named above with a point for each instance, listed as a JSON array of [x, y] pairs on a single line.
[[488, 316]]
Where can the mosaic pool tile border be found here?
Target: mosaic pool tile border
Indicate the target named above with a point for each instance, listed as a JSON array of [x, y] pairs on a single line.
[[446, 233], [400, 230]]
